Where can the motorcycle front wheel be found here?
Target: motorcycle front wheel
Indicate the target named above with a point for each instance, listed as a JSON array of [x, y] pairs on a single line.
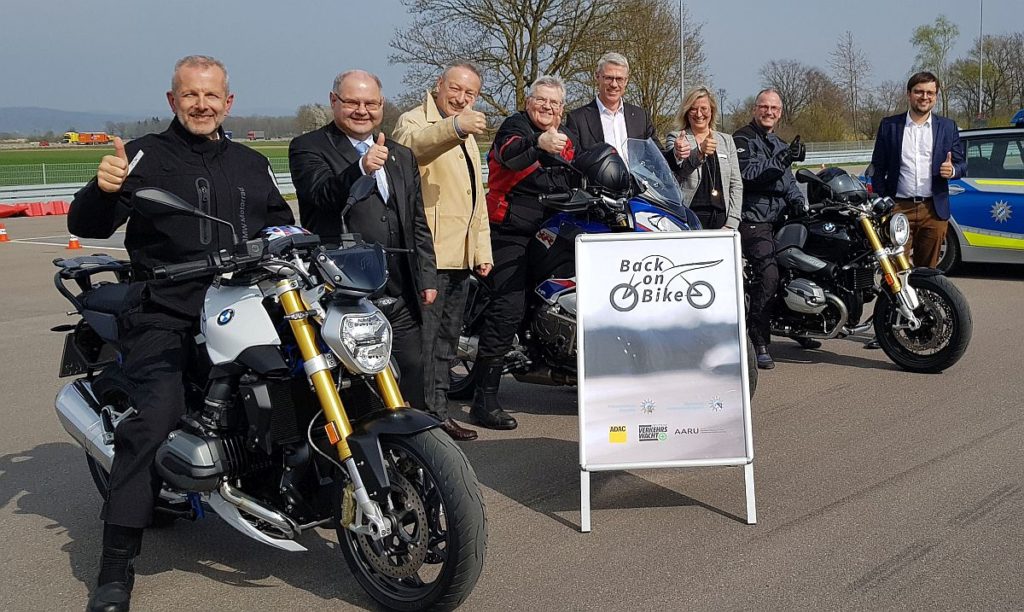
[[945, 331], [435, 553]]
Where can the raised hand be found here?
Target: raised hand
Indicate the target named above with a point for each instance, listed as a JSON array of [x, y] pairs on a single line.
[[946, 168], [472, 122], [375, 156], [681, 148], [709, 146], [113, 169], [552, 140]]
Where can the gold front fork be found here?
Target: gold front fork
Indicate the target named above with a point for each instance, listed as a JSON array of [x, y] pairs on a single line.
[[323, 384], [884, 260]]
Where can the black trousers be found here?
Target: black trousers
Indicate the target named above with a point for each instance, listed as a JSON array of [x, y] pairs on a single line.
[[407, 349], [758, 245], [442, 323], [156, 350], [508, 281]]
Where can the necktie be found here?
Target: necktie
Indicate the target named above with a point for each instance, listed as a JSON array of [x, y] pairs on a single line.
[[379, 175]]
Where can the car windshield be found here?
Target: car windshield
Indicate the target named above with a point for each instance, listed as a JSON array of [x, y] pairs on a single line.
[[648, 165]]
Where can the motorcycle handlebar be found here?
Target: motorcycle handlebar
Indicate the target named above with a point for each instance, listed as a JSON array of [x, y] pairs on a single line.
[[189, 269]]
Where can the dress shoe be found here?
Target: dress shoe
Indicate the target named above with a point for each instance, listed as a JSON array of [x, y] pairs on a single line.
[[457, 432], [808, 343], [764, 360], [110, 597]]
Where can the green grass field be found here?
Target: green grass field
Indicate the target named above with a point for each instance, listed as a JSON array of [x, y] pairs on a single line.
[[91, 154]]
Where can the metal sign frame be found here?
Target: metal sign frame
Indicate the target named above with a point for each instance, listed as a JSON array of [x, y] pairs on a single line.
[[706, 254]]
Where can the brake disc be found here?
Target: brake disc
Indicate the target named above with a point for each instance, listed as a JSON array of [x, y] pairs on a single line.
[[402, 553]]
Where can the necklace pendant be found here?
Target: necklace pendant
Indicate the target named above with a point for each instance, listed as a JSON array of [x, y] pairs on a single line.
[[714, 193]]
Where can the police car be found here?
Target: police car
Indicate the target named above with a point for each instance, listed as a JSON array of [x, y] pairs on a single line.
[[986, 205]]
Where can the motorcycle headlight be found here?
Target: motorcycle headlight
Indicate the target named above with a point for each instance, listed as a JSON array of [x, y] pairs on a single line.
[[899, 229], [362, 340]]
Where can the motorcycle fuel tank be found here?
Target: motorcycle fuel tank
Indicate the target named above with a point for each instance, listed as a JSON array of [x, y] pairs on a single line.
[[233, 320]]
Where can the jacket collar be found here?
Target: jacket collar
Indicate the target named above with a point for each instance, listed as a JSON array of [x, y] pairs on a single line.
[[433, 113], [199, 144]]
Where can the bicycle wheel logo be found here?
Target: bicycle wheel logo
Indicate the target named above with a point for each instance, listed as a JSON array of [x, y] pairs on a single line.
[[653, 281]]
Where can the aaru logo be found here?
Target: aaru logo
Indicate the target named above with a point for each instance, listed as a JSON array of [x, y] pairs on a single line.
[[651, 282]]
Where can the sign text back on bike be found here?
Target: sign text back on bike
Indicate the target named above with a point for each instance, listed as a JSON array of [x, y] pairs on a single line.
[[662, 351]]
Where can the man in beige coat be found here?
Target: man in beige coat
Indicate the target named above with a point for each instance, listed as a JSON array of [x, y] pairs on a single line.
[[440, 133]]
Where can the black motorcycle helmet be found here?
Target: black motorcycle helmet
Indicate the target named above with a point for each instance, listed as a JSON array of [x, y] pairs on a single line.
[[841, 187], [604, 170]]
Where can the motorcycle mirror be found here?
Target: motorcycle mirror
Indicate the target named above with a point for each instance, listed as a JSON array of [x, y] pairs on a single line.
[[359, 191], [804, 175], [169, 200]]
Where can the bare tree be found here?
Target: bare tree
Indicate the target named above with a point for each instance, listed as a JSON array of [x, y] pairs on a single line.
[[933, 44], [850, 68], [790, 78], [312, 116], [1001, 78], [512, 41]]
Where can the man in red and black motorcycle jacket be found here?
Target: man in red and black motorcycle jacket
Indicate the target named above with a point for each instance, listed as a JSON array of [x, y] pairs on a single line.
[[529, 158]]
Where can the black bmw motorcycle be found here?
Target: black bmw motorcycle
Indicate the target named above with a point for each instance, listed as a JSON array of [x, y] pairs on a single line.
[[846, 252]]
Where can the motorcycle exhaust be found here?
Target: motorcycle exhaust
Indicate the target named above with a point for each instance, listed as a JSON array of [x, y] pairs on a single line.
[[229, 503], [78, 412], [546, 376]]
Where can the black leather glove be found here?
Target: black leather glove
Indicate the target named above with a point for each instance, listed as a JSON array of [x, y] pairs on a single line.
[[798, 209], [797, 150]]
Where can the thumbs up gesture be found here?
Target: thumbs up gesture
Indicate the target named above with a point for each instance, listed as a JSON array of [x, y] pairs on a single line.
[[552, 140], [709, 146], [472, 121], [946, 168], [113, 169], [375, 156], [681, 147]]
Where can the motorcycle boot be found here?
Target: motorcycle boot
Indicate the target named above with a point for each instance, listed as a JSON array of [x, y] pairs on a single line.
[[764, 359], [117, 569], [808, 343], [486, 409]]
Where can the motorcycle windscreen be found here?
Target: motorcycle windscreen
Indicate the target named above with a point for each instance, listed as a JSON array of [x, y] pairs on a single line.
[[357, 270], [658, 184]]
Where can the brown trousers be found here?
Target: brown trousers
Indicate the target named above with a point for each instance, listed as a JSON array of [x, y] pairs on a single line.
[[927, 231]]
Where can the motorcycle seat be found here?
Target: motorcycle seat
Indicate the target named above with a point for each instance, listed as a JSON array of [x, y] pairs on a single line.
[[108, 298]]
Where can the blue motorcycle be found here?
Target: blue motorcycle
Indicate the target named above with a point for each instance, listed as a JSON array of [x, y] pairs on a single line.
[[544, 350]]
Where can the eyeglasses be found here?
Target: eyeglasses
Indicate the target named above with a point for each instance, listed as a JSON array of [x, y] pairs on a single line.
[[614, 79], [547, 102], [351, 105], [920, 93], [767, 107], [699, 111]]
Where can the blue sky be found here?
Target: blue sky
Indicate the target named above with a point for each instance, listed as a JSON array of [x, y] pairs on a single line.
[[117, 55]]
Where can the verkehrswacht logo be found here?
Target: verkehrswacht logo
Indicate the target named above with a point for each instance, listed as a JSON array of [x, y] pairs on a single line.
[[653, 280], [653, 433]]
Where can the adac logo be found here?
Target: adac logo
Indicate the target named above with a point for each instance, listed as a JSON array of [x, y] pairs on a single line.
[[653, 281], [617, 434], [653, 433], [225, 316]]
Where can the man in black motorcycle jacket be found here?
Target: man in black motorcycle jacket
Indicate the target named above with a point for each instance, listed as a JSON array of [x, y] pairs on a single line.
[[769, 189], [528, 159], [195, 161]]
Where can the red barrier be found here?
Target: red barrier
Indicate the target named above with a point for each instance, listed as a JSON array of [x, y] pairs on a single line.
[[39, 209], [12, 210]]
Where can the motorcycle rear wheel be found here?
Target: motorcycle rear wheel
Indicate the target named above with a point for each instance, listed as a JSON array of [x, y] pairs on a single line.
[[945, 332], [436, 552]]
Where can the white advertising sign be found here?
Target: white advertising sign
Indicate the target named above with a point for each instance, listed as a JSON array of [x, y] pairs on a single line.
[[662, 351]]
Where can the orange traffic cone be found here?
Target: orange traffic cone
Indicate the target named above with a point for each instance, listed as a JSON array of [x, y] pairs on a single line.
[[73, 243], [3, 233]]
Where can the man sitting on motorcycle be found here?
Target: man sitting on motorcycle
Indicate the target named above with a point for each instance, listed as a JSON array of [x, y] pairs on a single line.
[[529, 158], [768, 189], [194, 160]]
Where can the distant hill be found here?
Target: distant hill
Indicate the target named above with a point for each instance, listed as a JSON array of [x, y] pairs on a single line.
[[35, 120]]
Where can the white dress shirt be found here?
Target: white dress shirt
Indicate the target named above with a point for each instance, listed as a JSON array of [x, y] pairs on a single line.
[[916, 160], [613, 125], [361, 146]]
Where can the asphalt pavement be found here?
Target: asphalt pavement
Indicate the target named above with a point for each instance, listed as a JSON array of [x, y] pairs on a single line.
[[876, 488]]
